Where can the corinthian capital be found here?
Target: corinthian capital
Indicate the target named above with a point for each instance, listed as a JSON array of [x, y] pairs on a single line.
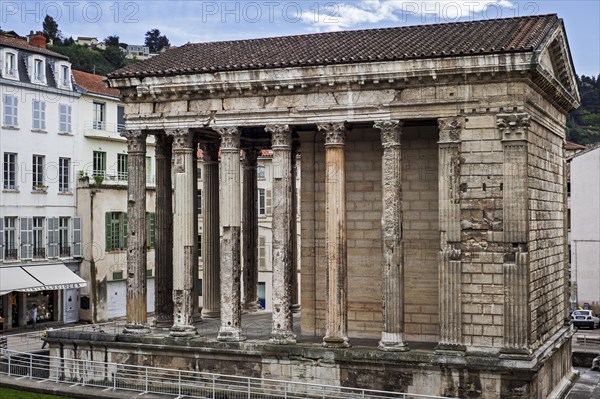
[[136, 140], [230, 137], [391, 131], [513, 126], [335, 133], [210, 152], [450, 128], [281, 136], [183, 139]]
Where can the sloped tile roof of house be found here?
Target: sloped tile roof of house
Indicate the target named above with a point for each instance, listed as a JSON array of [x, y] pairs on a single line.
[[423, 41], [93, 83], [13, 42]]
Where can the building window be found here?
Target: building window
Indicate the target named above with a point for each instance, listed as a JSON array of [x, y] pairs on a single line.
[[122, 167], [120, 118], [39, 251], [262, 253], [199, 245], [10, 110], [64, 118], [199, 173], [260, 172], [39, 115], [38, 171], [99, 163], [10, 238], [99, 121], [117, 275], [10, 171], [63, 175], [10, 65], [38, 70], [63, 237], [264, 202], [150, 229], [148, 170], [199, 202], [116, 230], [65, 78]]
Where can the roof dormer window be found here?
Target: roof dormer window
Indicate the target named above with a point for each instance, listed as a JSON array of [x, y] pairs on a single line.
[[62, 74], [37, 70], [9, 68]]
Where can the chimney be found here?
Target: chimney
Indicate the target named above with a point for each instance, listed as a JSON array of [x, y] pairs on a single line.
[[37, 39]]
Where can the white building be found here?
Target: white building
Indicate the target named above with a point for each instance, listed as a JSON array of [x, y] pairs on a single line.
[[585, 227], [40, 233], [102, 200]]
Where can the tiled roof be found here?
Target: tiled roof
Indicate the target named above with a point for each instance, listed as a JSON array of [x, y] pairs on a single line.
[[423, 41], [574, 146], [6, 41], [93, 83]]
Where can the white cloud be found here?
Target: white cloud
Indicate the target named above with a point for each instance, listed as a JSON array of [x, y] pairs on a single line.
[[350, 14]]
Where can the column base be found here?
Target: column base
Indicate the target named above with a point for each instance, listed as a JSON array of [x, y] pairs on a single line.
[[183, 331], [230, 334], [197, 317], [296, 308], [282, 337], [515, 353], [137, 329], [336, 342], [393, 346], [211, 313], [250, 307], [450, 349]]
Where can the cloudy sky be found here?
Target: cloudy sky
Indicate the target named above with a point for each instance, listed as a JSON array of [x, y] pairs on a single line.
[[196, 20]]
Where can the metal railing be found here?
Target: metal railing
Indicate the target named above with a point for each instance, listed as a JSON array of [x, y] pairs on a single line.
[[91, 126], [179, 383]]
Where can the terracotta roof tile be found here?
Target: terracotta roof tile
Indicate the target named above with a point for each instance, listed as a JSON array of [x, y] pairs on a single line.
[[422, 41], [93, 83], [13, 42]]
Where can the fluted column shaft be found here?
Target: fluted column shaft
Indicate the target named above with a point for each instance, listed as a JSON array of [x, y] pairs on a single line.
[[335, 235], [294, 226], [231, 314], [137, 320], [185, 257], [250, 231], [163, 248], [211, 281], [392, 337], [281, 138]]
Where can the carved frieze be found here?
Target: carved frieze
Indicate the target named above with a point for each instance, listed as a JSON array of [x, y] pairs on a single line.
[[450, 129], [230, 137], [136, 140], [335, 133], [391, 132], [281, 135], [513, 126]]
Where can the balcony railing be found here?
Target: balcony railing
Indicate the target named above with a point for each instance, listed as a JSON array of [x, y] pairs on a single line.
[[39, 253], [93, 127], [65, 252], [10, 254]]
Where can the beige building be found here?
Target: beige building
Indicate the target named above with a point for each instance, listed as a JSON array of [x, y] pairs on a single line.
[[432, 200]]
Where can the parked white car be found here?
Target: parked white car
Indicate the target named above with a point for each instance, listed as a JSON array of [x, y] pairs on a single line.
[[585, 318]]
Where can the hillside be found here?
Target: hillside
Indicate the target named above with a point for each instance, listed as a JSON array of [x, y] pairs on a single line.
[[584, 124]]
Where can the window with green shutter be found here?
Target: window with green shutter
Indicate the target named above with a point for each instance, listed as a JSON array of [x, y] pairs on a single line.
[[151, 229], [115, 231]]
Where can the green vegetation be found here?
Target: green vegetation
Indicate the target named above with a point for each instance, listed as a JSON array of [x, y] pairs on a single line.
[[7, 393], [584, 124]]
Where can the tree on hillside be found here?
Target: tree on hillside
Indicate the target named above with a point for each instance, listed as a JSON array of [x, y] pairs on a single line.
[[112, 40], [115, 56], [50, 29], [155, 41]]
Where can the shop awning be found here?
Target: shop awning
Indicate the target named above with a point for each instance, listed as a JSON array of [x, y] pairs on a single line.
[[32, 278]]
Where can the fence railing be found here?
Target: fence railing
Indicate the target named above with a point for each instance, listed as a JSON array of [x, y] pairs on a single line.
[[179, 383]]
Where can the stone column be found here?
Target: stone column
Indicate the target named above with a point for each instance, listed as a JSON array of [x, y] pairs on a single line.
[[335, 235], [281, 139], [137, 320], [163, 248], [231, 313], [450, 264], [294, 227], [513, 128], [185, 256], [250, 230], [211, 281], [392, 337]]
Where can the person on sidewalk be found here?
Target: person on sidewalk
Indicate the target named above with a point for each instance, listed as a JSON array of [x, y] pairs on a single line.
[[34, 318], [44, 335], [596, 363]]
